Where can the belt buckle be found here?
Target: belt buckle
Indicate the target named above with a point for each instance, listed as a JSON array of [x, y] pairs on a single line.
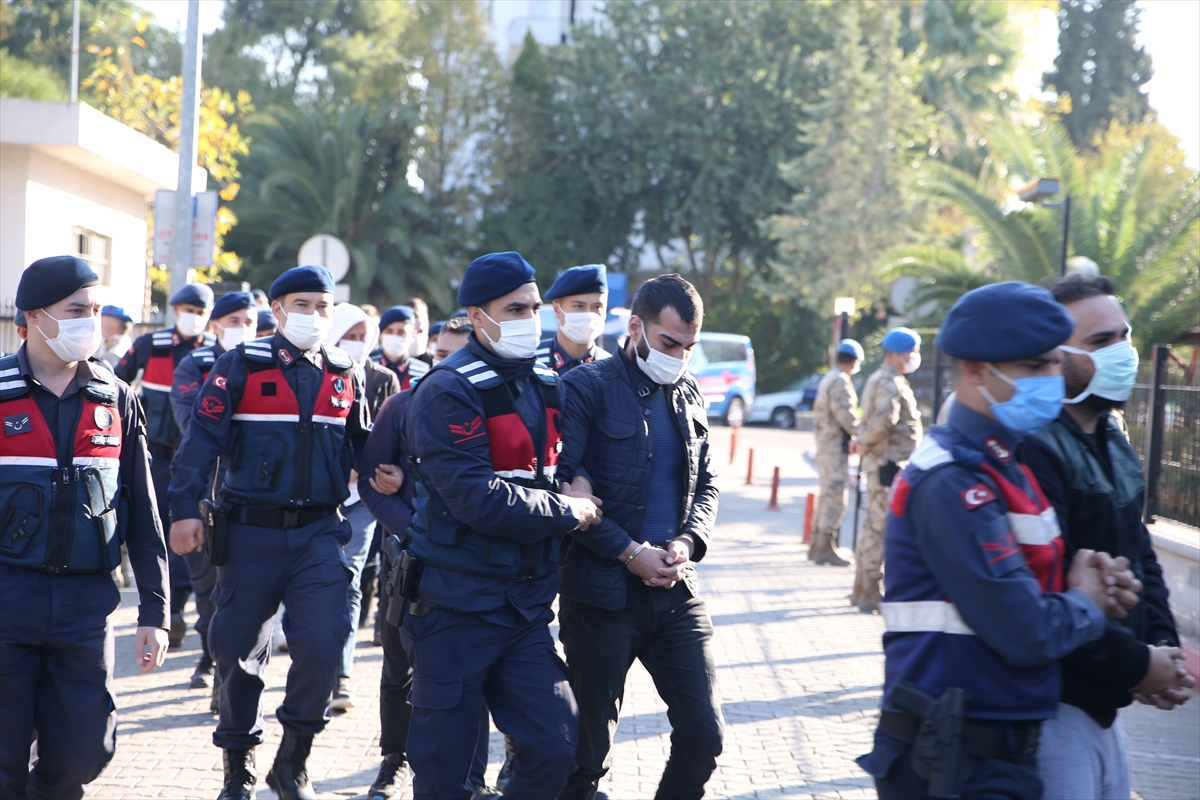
[[291, 518]]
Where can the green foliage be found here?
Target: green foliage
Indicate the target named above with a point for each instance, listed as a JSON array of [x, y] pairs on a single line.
[[20, 78], [337, 171], [1100, 68]]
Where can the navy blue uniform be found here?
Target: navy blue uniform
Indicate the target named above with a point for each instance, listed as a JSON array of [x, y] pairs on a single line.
[[288, 425], [975, 600], [489, 574], [551, 354], [156, 356], [75, 483]]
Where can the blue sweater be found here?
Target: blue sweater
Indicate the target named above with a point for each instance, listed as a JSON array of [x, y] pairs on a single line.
[[667, 472]]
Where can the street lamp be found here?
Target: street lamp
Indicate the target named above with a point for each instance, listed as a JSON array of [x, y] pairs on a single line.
[[1038, 190]]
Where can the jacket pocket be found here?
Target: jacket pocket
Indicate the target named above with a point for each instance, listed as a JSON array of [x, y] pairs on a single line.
[[614, 427], [21, 519], [434, 694]]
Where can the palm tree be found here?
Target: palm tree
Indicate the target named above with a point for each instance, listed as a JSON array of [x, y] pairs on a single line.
[[1140, 224], [340, 172]]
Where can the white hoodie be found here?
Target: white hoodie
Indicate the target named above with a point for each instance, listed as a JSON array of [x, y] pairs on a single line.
[[345, 317]]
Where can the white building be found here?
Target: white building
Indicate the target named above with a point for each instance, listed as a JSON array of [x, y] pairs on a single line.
[[76, 182], [550, 22]]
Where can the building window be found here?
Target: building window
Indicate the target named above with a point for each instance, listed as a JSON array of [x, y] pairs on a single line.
[[96, 250]]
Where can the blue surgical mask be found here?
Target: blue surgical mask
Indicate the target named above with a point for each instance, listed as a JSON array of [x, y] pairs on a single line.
[[1036, 402], [1116, 371]]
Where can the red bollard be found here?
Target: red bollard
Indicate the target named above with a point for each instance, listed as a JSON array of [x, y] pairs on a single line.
[[733, 442], [809, 506], [774, 504], [750, 468]]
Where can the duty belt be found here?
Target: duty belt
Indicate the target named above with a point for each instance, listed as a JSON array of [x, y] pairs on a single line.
[[1007, 741], [280, 517]]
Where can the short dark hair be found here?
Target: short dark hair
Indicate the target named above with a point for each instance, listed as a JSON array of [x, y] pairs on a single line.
[[1076, 287], [846, 358], [458, 325], [667, 290], [417, 304]]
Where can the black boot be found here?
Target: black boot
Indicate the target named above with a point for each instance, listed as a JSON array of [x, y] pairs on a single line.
[[392, 778], [240, 775], [289, 774], [202, 678]]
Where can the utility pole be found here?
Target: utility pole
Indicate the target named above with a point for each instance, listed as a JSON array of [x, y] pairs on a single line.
[[189, 113], [75, 56]]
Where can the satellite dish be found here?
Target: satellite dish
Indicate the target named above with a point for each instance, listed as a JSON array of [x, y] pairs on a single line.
[[902, 292], [325, 251]]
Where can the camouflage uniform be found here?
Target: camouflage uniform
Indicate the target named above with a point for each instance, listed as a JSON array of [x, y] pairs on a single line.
[[835, 418], [890, 430]]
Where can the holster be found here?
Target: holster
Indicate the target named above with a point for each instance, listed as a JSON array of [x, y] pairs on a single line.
[[393, 554], [216, 531], [937, 747]]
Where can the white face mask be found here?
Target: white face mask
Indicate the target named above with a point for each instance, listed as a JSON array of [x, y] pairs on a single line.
[[230, 337], [1116, 371], [190, 324], [420, 343], [582, 327], [660, 367], [519, 338], [914, 362], [77, 339], [305, 330], [356, 350], [395, 346]]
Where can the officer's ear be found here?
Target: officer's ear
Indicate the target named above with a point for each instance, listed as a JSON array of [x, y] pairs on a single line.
[[973, 372]]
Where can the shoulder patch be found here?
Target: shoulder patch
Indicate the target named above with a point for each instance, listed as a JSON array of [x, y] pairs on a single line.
[[257, 350], [976, 496], [465, 426], [337, 357]]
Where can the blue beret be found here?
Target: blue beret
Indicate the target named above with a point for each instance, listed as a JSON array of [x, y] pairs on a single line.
[[1004, 322], [48, 280], [302, 279], [116, 311], [397, 314], [901, 340], [436, 328], [229, 303], [266, 321], [462, 312], [19, 319], [194, 294], [580, 280], [492, 276], [850, 348]]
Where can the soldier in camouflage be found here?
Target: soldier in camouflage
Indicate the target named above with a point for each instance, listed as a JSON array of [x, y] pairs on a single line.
[[835, 422], [887, 436]]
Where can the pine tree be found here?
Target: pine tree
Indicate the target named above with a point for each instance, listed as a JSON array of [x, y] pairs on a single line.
[[1100, 68]]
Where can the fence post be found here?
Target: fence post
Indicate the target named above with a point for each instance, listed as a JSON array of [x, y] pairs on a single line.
[[1157, 407]]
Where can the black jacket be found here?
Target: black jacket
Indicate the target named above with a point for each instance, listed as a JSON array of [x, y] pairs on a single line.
[[606, 438], [1095, 484]]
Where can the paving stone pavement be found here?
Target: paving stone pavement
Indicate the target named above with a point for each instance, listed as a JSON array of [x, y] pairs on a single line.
[[799, 673]]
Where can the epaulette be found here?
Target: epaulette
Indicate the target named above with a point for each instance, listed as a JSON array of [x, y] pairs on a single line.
[[12, 384], [544, 374], [337, 358], [258, 350], [417, 369], [162, 338], [207, 356], [479, 374]]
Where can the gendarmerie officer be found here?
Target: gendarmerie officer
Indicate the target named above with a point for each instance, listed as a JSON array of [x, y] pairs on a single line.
[[977, 609], [233, 321], [74, 484], [288, 414], [484, 429], [156, 355], [397, 331], [580, 298]]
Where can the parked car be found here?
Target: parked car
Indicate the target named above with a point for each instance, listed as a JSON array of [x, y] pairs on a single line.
[[723, 365], [779, 408]]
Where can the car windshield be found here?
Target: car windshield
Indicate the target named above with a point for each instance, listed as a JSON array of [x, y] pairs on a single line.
[[796, 386]]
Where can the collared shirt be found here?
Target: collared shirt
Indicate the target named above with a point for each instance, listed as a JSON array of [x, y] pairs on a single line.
[[551, 353], [144, 534]]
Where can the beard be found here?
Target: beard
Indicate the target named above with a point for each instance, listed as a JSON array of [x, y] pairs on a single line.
[[1076, 383]]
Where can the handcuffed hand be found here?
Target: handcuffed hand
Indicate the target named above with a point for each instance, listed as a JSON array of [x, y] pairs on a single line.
[[1167, 683], [187, 536], [1123, 586]]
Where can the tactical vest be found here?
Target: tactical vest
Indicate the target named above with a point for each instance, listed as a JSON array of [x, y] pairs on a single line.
[[517, 455], [157, 378], [60, 516], [280, 456], [927, 642]]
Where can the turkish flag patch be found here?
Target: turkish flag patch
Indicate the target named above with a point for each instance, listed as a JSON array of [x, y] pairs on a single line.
[[465, 427], [219, 381], [976, 496]]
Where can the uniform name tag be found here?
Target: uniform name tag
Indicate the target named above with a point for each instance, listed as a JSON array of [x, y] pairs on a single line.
[[339, 402], [106, 441]]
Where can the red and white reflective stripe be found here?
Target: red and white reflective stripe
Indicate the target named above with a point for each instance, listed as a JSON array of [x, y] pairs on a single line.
[[96, 461], [1035, 529], [327, 420], [923, 616], [27, 461], [267, 417], [155, 387]]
